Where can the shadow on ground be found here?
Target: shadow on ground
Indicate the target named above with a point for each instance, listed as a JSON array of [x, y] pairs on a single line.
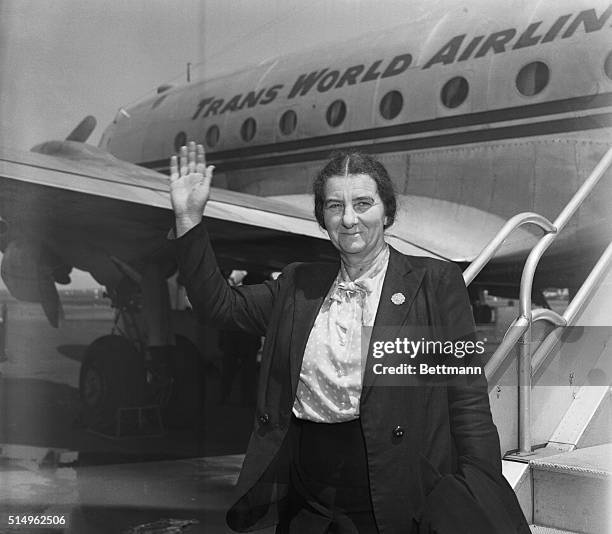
[[42, 413]]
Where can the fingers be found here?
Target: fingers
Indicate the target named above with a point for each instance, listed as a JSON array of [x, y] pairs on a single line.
[[191, 157], [208, 174], [174, 170], [200, 160], [184, 161]]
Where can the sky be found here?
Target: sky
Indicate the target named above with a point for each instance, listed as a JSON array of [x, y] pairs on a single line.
[[61, 60]]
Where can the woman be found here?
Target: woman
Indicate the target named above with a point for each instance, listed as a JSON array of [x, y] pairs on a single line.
[[337, 446]]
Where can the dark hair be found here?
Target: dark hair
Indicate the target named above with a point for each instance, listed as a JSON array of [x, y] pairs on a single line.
[[354, 162]]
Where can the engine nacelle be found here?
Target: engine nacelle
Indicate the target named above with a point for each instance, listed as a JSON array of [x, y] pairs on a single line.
[[30, 272]]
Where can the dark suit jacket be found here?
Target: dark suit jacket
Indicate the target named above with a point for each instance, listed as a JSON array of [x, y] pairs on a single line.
[[443, 473]]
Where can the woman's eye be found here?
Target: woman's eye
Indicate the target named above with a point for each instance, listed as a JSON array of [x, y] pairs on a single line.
[[362, 206]]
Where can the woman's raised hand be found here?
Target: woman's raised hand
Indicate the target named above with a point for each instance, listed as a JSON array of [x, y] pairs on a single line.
[[189, 186]]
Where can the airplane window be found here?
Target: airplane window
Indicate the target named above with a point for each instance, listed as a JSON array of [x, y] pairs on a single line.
[[608, 65], [391, 104], [180, 140], [454, 92], [248, 129], [336, 112], [532, 78], [212, 136], [288, 122]]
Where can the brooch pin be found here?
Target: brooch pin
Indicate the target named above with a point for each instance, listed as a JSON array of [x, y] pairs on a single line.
[[398, 298]]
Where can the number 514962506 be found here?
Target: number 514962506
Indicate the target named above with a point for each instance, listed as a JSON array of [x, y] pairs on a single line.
[[37, 519]]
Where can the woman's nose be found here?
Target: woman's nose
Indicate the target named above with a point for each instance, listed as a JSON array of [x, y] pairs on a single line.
[[349, 217]]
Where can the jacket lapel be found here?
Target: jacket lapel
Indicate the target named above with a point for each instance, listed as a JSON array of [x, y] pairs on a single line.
[[401, 279], [400, 288], [309, 296]]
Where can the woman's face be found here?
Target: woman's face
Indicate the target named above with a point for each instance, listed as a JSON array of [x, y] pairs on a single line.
[[354, 216]]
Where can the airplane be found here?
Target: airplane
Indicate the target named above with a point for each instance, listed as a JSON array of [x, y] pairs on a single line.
[[477, 115]]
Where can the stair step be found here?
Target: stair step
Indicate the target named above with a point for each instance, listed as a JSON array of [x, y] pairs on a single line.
[[571, 490], [591, 462], [537, 529]]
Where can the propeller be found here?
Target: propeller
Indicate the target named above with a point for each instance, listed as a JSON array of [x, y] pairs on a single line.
[[50, 301]]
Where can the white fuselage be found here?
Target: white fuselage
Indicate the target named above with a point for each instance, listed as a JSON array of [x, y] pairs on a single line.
[[501, 108]]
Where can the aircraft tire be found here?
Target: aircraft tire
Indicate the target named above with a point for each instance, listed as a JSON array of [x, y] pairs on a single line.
[[111, 377], [185, 407]]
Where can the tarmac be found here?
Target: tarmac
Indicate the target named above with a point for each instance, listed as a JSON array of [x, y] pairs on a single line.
[[51, 464]]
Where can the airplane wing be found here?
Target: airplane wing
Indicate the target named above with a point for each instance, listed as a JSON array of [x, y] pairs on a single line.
[[73, 205], [77, 206], [73, 191], [88, 171], [76, 192], [85, 170]]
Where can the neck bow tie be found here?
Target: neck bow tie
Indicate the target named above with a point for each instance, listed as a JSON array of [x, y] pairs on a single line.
[[345, 290]]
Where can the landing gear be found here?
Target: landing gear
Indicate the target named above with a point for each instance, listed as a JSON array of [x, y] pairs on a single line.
[[113, 380], [142, 376], [112, 377]]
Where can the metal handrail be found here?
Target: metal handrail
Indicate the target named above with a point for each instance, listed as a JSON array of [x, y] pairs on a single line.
[[520, 330], [514, 333], [492, 247], [500, 356], [550, 316], [525, 361], [588, 287], [566, 214], [574, 308]]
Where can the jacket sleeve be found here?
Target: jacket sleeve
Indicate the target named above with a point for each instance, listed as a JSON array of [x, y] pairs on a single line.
[[472, 427], [245, 308], [476, 498]]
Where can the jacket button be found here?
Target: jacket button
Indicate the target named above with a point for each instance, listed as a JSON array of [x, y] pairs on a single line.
[[398, 432], [264, 418]]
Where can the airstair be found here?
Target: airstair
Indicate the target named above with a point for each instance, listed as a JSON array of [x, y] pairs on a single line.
[[549, 388]]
